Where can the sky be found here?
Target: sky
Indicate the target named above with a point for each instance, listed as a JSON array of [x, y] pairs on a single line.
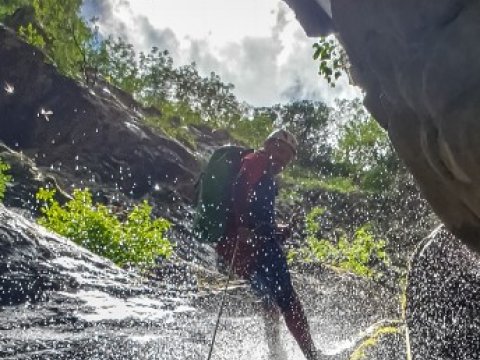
[[257, 45]]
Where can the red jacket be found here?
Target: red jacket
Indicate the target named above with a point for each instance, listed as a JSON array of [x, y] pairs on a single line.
[[254, 213]]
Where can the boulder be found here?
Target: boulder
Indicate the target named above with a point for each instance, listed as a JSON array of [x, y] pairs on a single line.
[[443, 300], [418, 64], [314, 15]]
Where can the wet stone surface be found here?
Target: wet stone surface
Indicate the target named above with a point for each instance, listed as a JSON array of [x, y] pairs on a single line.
[[98, 311], [443, 300]]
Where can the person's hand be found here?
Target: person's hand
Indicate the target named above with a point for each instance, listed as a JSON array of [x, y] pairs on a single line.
[[284, 231]]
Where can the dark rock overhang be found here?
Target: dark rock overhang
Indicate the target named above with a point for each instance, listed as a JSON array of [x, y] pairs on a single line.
[[418, 64]]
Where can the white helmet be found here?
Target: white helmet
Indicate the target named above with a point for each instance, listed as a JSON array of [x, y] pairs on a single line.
[[284, 136]]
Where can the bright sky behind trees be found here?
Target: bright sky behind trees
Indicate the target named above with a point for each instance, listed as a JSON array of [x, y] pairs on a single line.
[[255, 44]]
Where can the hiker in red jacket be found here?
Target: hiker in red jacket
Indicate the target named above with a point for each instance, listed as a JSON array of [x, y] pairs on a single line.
[[253, 240]]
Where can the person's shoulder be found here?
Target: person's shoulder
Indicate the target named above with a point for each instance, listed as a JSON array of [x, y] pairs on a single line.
[[256, 158]]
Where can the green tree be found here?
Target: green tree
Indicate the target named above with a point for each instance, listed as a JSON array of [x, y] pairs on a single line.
[[31, 35], [309, 122], [208, 95], [157, 77], [252, 131], [70, 42], [217, 100], [364, 149], [122, 69], [175, 120], [67, 35], [360, 253]]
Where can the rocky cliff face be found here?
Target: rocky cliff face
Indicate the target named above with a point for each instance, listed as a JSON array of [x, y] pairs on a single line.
[[63, 134], [418, 63], [89, 135]]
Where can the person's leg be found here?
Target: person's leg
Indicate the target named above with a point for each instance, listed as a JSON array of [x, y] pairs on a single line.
[[297, 324], [273, 271], [271, 318]]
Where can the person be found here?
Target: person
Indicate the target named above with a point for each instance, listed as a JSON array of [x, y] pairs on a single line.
[[252, 245]]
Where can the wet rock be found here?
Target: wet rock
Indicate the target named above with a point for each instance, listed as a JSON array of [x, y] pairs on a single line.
[[26, 179], [314, 15], [88, 135], [443, 300], [63, 293], [176, 273], [417, 62], [388, 346], [70, 304], [34, 262], [24, 273]]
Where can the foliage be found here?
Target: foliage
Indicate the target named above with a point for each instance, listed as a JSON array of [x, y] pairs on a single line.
[[365, 152], [137, 240], [121, 68], [157, 76], [254, 131], [304, 179], [4, 178], [333, 59], [153, 79], [339, 184], [175, 121], [309, 121], [76, 47], [209, 95], [31, 35], [359, 254], [289, 196], [8, 7], [67, 36]]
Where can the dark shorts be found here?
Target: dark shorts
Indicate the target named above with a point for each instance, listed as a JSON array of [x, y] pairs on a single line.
[[270, 279]]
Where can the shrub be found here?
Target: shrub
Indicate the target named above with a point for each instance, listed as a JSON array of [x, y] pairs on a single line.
[[138, 240], [359, 254], [303, 179], [4, 178]]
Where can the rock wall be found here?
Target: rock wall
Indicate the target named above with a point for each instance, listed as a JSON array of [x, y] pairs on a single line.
[[88, 135], [443, 300], [418, 63]]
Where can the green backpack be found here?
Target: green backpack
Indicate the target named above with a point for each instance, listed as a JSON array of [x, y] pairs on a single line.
[[215, 197]]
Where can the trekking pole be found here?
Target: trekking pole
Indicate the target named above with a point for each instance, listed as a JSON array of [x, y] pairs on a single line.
[[224, 296]]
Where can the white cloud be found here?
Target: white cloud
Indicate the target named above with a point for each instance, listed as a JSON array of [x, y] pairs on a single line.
[[256, 45]]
